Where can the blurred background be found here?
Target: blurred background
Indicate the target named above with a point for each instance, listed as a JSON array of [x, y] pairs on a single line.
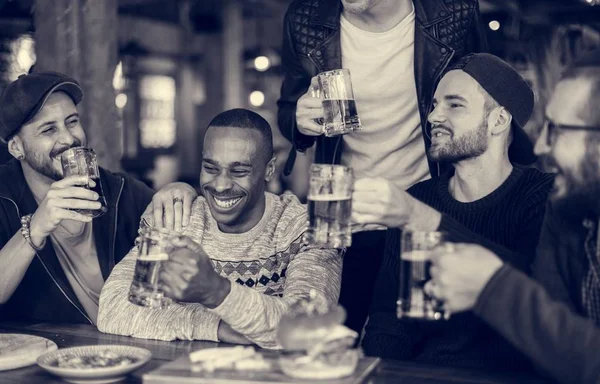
[[155, 72]]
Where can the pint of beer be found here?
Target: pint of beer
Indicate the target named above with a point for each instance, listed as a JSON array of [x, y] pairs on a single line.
[[329, 206], [154, 246], [81, 161], [339, 107], [413, 302]]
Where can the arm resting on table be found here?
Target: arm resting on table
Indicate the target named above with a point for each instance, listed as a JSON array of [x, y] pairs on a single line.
[[178, 321], [256, 315]]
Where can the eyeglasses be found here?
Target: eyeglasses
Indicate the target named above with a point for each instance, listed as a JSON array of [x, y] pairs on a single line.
[[553, 129]]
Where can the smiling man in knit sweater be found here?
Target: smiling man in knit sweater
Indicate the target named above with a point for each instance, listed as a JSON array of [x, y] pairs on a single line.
[[251, 262], [480, 107]]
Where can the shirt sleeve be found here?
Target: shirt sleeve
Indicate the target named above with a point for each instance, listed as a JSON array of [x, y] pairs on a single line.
[[178, 321], [256, 315], [558, 341]]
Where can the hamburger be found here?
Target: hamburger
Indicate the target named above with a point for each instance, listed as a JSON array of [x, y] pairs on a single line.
[[316, 344]]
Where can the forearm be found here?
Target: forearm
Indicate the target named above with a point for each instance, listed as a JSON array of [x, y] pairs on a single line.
[[557, 340], [15, 257], [256, 315], [178, 321]]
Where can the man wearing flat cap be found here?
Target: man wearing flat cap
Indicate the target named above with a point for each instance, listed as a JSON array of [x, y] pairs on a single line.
[[53, 259], [489, 197]]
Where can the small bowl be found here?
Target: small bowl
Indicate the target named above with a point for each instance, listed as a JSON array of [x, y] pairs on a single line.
[[96, 375]]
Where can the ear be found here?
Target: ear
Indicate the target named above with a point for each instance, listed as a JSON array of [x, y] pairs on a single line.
[[501, 120], [15, 147], [270, 169]]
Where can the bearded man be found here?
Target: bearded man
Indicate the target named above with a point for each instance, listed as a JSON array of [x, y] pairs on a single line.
[[479, 109]]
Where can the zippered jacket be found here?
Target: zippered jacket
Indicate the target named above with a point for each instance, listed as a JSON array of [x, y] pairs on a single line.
[[45, 294]]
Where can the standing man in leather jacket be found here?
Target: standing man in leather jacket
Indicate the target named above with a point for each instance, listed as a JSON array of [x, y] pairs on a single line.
[[396, 51]]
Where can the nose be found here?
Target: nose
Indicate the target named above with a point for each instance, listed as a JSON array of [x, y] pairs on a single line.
[[436, 116], [66, 138], [222, 182], [541, 144]]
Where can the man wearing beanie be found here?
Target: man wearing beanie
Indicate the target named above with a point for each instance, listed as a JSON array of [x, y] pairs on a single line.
[[53, 259], [555, 319], [479, 109]]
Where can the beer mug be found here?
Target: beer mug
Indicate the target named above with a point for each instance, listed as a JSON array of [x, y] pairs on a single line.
[[339, 108], [413, 302], [154, 246], [329, 206], [81, 161]]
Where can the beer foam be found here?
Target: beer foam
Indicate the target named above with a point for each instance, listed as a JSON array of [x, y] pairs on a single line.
[[338, 197], [415, 255], [154, 257]]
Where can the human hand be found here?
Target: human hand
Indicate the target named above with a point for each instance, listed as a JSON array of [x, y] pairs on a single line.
[[63, 197], [379, 201], [172, 206], [459, 273], [226, 334], [309, 111], [189, 276]]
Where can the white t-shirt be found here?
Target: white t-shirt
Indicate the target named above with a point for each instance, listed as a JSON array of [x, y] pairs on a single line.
[[381, 65]]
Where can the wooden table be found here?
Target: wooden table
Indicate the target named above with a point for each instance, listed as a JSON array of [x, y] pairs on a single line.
[[76, 335]]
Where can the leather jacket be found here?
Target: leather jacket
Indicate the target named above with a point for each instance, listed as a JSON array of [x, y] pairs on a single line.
[[445, 30]]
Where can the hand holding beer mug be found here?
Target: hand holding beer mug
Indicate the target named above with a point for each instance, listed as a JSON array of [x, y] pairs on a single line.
[[339, 107], [329, 206], [81, 161], [413, 301], [154, 247]]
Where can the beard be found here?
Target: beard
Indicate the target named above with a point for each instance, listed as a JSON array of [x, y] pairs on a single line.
[[581, 191], [468, 146], [45, 164]]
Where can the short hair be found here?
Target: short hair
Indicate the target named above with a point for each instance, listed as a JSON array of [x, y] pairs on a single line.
[[245, 119], [587, 66]]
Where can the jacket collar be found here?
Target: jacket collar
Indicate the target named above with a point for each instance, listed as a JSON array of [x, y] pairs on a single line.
[[426, 12], [18, 191]]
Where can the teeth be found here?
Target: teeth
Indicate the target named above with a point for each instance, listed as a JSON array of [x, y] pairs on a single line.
[[227, 203]]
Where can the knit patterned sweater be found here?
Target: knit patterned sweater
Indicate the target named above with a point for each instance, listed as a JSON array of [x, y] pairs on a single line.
[[269, 267], [508, 221]]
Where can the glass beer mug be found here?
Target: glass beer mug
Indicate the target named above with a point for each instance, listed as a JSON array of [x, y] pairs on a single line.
[[413, 302], [154, 246], [82, 161], [329, 206], [339, 107]]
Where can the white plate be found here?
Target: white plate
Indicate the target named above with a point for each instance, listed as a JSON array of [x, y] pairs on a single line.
[[94, 375]]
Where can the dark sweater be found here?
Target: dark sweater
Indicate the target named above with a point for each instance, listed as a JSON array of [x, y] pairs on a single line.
[[508, 221]]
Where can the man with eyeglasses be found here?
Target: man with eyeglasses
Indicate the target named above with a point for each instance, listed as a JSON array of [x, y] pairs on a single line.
[[555, 319]]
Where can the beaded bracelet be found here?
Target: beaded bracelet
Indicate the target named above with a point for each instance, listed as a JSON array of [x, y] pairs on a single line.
[[25, 221]]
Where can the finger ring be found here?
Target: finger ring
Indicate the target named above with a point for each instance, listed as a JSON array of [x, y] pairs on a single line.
[[177, 200]]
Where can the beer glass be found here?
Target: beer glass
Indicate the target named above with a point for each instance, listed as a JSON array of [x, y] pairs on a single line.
[[329, 206], [81, 161], [154, 246], [413, 302], [339, 108]]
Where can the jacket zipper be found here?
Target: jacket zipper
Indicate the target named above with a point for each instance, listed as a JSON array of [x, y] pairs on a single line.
[[48, 271], [112, 255]]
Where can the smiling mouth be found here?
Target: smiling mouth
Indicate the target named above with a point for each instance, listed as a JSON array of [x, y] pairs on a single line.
[[439, 133], [226, 203]]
